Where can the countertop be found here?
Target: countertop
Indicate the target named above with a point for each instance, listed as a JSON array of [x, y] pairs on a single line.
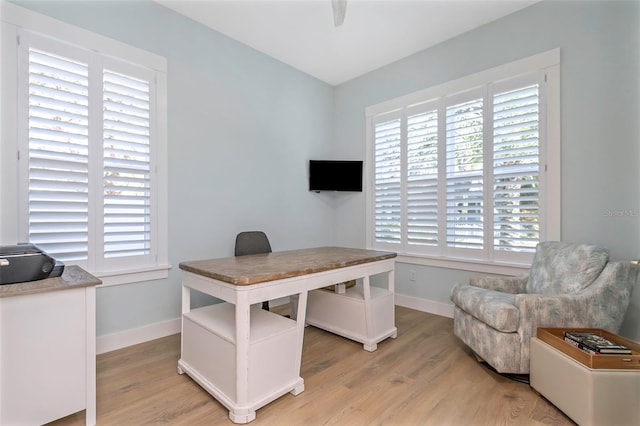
[[72, 277]]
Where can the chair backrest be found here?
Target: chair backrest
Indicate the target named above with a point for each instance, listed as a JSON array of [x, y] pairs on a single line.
[[561, 268], [614, 286], [252, 242]]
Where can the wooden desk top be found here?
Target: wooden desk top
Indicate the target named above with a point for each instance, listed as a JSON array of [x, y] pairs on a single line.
[[258, 268], [72, 277]]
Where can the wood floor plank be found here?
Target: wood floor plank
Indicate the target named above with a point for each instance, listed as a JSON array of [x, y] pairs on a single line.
[[425, 376]]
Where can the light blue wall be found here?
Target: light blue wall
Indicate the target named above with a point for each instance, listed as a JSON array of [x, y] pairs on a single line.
[[600, 49], [242, 127]]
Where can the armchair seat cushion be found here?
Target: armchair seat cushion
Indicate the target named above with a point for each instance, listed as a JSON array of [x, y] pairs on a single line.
[[496, 309]]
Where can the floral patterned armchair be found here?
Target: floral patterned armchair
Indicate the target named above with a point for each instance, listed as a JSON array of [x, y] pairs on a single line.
[[569, 285]]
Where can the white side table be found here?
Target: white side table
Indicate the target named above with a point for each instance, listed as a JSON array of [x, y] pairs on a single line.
[[589, 396]]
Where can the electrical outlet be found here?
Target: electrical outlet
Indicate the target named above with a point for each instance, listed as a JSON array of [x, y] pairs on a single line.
[[412, 275]]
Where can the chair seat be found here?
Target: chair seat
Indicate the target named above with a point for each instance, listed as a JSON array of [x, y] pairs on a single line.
[[494, 308]]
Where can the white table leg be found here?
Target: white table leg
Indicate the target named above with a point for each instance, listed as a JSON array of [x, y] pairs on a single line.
[[367, 313], [243, 321], [301, 312], [186, 307], [294, 302], [186, 299], [391, 276]]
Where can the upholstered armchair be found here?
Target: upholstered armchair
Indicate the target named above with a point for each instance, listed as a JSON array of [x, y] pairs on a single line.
[[568, 285]]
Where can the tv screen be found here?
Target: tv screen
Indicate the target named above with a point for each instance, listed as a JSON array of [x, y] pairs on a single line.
[[329, 175]]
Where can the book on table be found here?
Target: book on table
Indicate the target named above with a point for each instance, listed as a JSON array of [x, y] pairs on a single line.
[[593, 343]]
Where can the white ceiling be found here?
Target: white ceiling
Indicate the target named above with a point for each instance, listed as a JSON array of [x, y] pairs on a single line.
[[375, 33]]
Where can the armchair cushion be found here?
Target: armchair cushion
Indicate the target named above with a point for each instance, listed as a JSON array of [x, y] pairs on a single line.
[[494, 308], [561, 268]]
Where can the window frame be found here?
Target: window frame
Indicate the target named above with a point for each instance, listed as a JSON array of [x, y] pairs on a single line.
[[16, 22], [547, 63]]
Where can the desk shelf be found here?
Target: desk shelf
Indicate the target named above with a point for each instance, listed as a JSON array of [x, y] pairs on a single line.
[[345, 314], [209, 356]]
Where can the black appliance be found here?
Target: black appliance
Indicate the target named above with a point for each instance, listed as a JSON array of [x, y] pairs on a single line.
[[26, 262]]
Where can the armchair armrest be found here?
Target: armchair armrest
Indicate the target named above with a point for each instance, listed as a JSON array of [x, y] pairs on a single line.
[[513, 285], [538, 310]]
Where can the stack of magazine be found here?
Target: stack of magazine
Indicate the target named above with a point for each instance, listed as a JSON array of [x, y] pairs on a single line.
[[594, 344]]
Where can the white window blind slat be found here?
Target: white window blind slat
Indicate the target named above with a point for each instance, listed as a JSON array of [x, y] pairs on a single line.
[[127, 174], [516, 168], [58, 140], [387, 181], [422, 179], [464, 175]]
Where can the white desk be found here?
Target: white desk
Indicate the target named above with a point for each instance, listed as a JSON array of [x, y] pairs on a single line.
[[248, 357]]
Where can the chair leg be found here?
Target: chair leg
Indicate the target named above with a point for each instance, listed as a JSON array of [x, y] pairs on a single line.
[[265, 305]]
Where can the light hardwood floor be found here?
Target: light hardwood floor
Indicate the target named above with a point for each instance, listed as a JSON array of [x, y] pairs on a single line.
[[424, 377]]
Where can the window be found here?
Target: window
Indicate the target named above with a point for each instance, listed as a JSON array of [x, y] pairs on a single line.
[[461, 171], [92, 173]]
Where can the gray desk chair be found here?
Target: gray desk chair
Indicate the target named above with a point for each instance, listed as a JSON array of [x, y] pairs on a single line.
[[253, 242]]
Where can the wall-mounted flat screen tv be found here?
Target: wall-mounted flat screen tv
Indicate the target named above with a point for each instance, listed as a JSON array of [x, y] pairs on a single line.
[[332, 175]]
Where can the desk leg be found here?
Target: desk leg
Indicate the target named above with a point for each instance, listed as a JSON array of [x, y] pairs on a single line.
[[301, 313], [368, 318], [186, 299], [186, 307], [391, 276], [293, 300], [243, 318]]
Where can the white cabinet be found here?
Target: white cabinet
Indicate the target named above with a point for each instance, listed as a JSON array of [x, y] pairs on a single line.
[[209, 356], [348, 315], [47, 353], [589, 396]]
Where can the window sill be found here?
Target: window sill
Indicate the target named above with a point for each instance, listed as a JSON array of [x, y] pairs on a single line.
[[133, 276], [465, 265]]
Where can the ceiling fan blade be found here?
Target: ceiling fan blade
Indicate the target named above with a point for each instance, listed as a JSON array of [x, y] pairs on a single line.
[[339, 10]]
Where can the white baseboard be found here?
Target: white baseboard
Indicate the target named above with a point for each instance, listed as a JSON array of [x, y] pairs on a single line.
[[424, 305], [114, 341]]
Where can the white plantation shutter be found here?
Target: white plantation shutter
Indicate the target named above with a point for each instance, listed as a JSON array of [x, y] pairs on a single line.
[[464, 175], [58, 176], [422, 179], [387, 181], [458, 176], [90, 180], [127, 179], [516, 161]]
